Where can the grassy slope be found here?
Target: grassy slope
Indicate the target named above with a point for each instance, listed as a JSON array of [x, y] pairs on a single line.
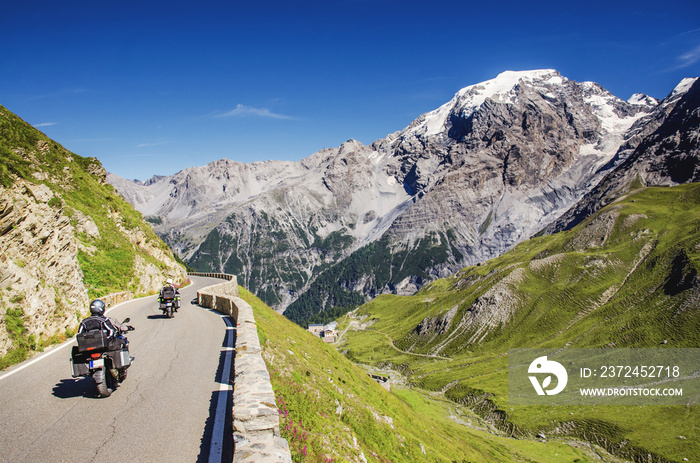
[[332, 411], [634, 290], [108, 266]]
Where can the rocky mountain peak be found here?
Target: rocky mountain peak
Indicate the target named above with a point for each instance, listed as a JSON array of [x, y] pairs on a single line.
[[682, 88], [502, 89]]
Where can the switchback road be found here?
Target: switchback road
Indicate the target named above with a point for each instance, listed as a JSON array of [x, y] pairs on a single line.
[[165, 411]]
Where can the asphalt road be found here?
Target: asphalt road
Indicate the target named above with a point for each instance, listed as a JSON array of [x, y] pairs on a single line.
[[163, 412]]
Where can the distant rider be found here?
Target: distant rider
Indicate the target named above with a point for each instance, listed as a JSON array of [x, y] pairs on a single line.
[[169, 291]]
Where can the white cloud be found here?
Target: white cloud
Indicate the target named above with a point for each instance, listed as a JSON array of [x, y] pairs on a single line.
[[44, 124], [689, 58], [247, 111], [145, 145]]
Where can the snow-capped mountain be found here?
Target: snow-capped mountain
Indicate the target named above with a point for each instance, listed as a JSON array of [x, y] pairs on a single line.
[[459, 185]]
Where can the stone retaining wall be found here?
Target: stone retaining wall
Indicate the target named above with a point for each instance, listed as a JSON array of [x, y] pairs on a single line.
[[256, 432], [117, 298]]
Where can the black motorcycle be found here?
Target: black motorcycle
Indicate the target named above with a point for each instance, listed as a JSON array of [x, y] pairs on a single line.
[[103, 357]]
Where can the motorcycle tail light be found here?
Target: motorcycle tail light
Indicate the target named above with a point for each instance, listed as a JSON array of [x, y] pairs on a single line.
[[95, 355]]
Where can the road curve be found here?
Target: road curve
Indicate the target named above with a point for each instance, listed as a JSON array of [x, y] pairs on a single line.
[[163, 412]]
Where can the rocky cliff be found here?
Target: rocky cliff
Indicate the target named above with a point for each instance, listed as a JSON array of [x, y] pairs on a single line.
[[40, 271], [65, 237], [665, 151], [459, 185]]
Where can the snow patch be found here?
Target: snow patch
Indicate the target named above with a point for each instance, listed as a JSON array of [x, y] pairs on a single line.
[[683, 86], [640, 99]]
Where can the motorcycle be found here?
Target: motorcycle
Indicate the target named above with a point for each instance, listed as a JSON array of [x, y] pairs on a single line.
[[105, 358], [169, 305]]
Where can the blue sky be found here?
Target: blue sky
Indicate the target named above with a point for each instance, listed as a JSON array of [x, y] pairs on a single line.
[[153, 87]]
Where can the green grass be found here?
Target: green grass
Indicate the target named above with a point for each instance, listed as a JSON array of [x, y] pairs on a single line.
[[636, 290], [23, 344], [26, 151], [331, 410]]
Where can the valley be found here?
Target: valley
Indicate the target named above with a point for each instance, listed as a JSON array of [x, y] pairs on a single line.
[[331, 410], [612, 281]]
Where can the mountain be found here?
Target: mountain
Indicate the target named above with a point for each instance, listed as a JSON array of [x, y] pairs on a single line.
[[461, 184], [666, 153], [65, 237], [625, 277]]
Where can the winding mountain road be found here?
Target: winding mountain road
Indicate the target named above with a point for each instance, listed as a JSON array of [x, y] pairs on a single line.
[[169, 409]]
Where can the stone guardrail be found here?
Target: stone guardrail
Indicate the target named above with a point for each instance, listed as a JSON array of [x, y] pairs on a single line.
[[256, 432], [223, 276]]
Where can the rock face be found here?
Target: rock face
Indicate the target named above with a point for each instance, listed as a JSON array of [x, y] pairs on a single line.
[[65, 237], [39, 269], [664, 151], [459, 185]]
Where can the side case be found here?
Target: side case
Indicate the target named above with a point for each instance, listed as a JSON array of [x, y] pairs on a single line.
[[79, 363], [120, 358]]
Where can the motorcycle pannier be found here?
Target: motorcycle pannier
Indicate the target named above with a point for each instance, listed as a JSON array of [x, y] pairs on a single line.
[[120, 358], [92, 340], [79, 363], [79, 369]]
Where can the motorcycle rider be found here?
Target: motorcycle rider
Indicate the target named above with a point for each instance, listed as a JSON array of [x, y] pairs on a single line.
[[97, 311], [170, 291], [98, 321]]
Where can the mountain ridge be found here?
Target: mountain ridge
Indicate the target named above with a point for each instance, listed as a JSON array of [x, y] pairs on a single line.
[[465, 182], [675, 142]]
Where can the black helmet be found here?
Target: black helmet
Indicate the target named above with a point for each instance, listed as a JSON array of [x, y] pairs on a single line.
[[97, 307]]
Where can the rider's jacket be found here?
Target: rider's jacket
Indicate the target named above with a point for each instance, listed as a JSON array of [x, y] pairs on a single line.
[[169, 291], [100, 321]]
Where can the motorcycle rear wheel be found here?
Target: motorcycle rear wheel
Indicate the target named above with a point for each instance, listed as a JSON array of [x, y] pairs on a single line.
[[105, 382]]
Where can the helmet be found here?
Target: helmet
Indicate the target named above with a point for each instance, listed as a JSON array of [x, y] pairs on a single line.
[[97, 307], [169, 281]]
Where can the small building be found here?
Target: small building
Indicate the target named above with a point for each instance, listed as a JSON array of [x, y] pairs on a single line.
[[316, 329], [329, 335], [331, 326], [326, 332]]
